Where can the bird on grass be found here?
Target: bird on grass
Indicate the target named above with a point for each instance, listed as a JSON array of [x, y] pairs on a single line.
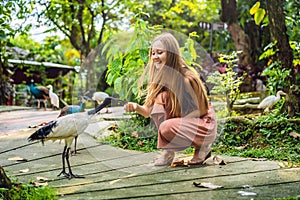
[[53, 97], [71, 109], [268, 102], [99, 97], [67, 128]]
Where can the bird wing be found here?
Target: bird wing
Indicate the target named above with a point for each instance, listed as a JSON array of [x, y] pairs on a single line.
[[43, 132], [43, 89], [54, 99], [66, 127], [267, 102], [71, 125]]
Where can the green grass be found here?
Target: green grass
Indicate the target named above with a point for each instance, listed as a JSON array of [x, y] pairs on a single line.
[[133, 135], [27, 192], [261, 137]]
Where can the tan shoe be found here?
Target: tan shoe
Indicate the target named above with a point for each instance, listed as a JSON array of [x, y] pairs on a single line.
[[196, 160], [165, 159]]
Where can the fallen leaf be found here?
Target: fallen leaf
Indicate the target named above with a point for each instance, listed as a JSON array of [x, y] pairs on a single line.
[[241, 147], [178, 164], [24, 170], [206, 185], [17, 158], [259, 159], [135, 134], [244, 193], [218, 161], [37, 184], [119, 179], [40, 178], [248, 187], [294, 134]]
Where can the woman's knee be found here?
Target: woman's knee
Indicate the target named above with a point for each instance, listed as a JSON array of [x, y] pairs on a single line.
[[168, 127]]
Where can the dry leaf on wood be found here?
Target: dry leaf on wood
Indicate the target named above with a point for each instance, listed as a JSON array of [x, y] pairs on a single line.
[[17, 158], [40, 178], [178, 164], [259, 159], [207, 185], [24, 170], [37, 184]]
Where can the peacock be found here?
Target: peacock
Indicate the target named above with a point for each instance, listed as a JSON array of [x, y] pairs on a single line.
[[67, 128], [40, 93], [70, 109]]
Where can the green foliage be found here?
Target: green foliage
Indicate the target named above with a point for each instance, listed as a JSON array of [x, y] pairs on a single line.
[[126, 61], [277, 77], [227, 83], [133, 134], [52, 50], [27, 192], [10, 11], [264, 137], [289, 198], [292, 19], [258, 12]]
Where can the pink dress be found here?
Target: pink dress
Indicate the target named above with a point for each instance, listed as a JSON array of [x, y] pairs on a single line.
[[180, 133]]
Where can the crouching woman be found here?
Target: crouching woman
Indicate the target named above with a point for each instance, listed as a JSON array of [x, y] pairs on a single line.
[[177, 101]]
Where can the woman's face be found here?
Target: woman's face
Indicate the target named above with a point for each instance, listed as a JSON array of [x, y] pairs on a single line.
[[158, 54]]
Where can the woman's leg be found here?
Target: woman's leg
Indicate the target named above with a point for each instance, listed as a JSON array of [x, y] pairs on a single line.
[[200, 156], [166, 158]]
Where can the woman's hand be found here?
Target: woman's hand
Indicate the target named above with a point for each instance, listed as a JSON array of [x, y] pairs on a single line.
[[130, 107]]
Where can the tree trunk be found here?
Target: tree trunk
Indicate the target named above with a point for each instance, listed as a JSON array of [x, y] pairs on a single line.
[[292, 101], [4, 180], [241, 39], [278, 33]]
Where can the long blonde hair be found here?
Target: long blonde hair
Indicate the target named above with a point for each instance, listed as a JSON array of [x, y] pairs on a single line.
[[185, 90]]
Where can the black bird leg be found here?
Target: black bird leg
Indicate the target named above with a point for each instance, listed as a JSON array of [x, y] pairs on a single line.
[[75, 147], [65, 155], [63, 163], [71, 175]]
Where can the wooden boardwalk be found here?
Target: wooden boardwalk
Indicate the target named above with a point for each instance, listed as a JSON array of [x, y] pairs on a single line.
[[113, 173]]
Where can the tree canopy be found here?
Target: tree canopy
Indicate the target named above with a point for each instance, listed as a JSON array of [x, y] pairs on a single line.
[[88, 24]]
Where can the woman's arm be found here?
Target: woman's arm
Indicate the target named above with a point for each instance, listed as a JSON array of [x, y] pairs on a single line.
[[142, 110]]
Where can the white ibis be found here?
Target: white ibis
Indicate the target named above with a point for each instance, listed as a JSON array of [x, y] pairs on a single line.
[[53, 97], [67, 128], [270, 101], [71, 109], [64, 128], [99, 97]]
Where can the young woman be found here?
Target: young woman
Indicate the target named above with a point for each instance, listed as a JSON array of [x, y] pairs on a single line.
[[177, 102]]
